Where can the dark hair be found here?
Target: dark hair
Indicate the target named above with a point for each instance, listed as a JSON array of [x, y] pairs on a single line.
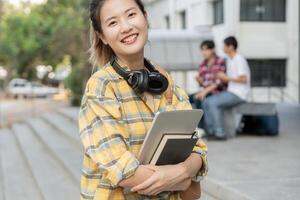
[[209, 44], [231, 41], [99, 52]]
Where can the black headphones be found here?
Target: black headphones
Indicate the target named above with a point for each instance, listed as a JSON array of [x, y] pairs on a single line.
[[143, 80]]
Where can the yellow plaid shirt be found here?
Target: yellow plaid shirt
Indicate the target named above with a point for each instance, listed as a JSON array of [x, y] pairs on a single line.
[[113, 122]]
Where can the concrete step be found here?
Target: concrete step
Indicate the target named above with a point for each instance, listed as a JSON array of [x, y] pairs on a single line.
[[1, 174], [70, 112], [52, 178], [63, 125], [206, 196], [17, 180], [69, 154]]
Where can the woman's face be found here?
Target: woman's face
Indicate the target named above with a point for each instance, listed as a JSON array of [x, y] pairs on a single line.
[[124, 27]]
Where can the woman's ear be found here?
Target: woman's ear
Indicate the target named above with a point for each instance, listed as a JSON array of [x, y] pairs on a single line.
[[102, 38], [146, 17]]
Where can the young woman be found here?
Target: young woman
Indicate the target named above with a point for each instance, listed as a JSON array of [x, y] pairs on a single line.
[[118, 108]]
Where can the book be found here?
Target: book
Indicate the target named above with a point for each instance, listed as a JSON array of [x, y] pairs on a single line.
[[173, 149], [177, 122]]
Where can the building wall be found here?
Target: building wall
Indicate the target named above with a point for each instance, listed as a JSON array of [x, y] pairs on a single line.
[[258, 40]]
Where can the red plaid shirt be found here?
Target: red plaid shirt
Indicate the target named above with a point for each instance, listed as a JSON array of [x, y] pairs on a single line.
[[208, 73]]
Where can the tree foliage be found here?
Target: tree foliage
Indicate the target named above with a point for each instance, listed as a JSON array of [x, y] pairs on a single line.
[[44, 36]]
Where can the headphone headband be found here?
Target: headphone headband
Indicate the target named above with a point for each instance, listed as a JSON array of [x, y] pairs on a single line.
[[142, 80], [125, 73]]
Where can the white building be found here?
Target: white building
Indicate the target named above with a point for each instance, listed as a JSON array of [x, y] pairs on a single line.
[[267, 31]]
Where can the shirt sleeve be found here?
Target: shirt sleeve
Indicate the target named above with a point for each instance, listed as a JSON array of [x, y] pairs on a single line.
[[201, 149], [103, 134], [243, 68]]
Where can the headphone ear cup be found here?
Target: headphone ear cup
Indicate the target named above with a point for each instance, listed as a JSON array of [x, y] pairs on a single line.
[[139, 81], [142, 81], [157, 83], [145, 80]]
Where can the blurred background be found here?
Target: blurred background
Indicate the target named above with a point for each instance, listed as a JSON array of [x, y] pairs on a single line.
[[44, 67]]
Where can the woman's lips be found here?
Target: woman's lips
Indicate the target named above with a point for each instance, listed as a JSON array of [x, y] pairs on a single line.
[[130, 39]]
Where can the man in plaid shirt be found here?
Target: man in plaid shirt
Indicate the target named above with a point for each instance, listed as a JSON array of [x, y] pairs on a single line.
[[208, 69]]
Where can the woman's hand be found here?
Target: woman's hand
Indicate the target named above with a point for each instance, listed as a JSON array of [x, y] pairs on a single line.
[[165, 178]]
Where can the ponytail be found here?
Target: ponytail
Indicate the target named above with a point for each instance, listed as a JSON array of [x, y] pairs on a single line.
[[100, 53]]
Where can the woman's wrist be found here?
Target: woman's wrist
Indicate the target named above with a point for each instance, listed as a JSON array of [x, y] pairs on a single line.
[[192, 165], [185, 170]]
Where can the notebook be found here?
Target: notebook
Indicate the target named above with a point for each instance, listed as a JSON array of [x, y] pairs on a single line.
[[173, 149]]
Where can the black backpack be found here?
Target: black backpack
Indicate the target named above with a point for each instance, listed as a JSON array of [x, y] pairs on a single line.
[[259, 125]]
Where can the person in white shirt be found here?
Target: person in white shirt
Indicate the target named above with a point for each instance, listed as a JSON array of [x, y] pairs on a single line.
[[238, 78]]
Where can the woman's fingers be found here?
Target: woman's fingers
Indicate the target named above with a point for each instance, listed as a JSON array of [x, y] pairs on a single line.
[[145, 184], [152, 190]]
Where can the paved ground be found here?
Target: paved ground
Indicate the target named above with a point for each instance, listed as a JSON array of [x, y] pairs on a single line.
[[14, 110], [43, 155], [40, 157], [262, 168]]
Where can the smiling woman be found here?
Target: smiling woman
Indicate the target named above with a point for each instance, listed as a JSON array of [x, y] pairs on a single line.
[[118, 108]]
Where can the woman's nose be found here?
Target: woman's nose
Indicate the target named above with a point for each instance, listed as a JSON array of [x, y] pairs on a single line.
[[125, 26]]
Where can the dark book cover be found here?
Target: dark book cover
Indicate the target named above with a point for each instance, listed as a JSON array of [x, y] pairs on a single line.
[[173, 150]]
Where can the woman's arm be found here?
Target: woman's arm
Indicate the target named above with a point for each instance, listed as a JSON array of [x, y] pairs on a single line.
[[169, 177], [193, 164], [145, 172], [141, 174]]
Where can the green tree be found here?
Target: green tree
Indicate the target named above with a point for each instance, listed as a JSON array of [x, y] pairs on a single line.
[[45, 35]]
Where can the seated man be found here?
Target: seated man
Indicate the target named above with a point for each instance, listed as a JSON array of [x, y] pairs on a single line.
[[206, 78], [238, 79]]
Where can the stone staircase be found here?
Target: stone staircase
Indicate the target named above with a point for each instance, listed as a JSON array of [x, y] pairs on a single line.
[[40, 158]]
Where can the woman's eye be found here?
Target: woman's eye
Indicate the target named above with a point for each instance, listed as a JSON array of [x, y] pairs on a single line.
[[112, 23], [131, 14]]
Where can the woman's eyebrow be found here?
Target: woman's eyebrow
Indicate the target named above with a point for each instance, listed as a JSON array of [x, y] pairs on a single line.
[[110, 18], [129, 9], [113, 17]]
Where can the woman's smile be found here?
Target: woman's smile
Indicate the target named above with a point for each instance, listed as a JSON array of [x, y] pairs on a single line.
[[130, 39]]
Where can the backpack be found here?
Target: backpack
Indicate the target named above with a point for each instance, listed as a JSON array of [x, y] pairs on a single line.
[[259, 125]]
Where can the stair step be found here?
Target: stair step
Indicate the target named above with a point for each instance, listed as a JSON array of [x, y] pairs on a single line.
[[53, 179], [206, 196], [70, 112], [67, 152], [17, 180], [1, 175], [63, 125]]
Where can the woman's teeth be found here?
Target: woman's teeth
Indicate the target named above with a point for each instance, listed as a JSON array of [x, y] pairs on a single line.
[[130, 39]]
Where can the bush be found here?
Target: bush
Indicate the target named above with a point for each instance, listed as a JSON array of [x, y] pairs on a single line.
[[75, 83]]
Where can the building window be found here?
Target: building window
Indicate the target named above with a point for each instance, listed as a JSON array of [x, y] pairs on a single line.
[[218, 12], [263, 10], [182, 15], [167, 20], [268, 73]]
